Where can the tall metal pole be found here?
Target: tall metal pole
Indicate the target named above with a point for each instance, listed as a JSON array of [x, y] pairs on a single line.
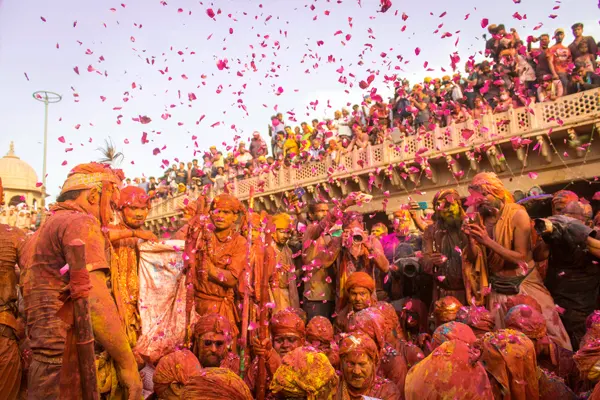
[[46, 97]]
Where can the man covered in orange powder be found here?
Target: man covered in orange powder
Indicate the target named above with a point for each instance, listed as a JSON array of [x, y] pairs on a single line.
[[500, 245], [359, 296], [360, 358], [82, 209], [212, 339], [12, 241], [134, 205], [221, 257], [283, 280]]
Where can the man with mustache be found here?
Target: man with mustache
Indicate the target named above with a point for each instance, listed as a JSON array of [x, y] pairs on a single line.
[[218, 258], [133, 205], [443, 242], [212, 339], [359, 358], [359, 296], [283, 280], [12, 240], [288, 332], [501, 245]]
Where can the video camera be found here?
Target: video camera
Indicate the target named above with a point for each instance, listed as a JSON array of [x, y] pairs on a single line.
[[568, 233], [408, 266]]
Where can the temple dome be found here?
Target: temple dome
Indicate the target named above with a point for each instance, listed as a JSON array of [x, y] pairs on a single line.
[[16, 174]]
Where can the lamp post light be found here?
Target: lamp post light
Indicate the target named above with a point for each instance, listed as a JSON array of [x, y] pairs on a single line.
[[46, 98]]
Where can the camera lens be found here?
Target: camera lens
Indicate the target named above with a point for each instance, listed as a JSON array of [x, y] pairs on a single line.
[[357, 238]]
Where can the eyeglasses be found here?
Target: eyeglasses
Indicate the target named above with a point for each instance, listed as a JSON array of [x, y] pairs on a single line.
[[217, 343]]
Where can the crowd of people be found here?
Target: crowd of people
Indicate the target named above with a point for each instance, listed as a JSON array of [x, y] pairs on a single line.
[[477, 300], [514, 74]]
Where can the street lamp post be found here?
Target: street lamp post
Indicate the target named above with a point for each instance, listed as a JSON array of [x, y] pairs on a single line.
[[46, 98]]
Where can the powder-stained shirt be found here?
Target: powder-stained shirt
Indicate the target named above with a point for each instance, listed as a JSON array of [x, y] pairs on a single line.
[[43, 277], [12, 241]]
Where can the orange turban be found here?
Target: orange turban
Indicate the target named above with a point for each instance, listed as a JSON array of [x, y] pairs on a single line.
[[227, 202], [305, 373], [451, 331], [360, 279], [282, 221], [359, 341], [319, 328], [449, 372], [478, 318], [87, 176], [177, 367], [212, 323], [510, 359], [286, 322], [513, 301], [446, 308], [370, 321], [133, 196], [490, 183], [561, 198], [216, 384], [527, 320]]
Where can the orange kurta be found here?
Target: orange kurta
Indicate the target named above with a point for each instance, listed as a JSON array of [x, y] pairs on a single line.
[[11, 244], [231, 255]]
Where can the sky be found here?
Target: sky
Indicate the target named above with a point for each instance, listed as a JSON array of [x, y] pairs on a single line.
[[119, 63]]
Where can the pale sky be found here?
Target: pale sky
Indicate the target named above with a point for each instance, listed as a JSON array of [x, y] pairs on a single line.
[[122, 54]]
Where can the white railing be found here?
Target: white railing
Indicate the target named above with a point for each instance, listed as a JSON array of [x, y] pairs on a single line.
[[576, 109]]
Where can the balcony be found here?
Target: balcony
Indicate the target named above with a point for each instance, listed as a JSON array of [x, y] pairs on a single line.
[[411, 159]]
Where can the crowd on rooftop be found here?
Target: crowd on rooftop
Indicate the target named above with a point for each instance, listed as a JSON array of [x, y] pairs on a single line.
[[517, 72]]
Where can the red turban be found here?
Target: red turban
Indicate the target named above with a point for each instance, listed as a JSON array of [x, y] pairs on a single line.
[[478, 318], [212, 323], [216, 384], [392, 322], [370, 321], [561, 198], [453, 331], [177, 367], [133, 196], [446, 308], [360, 279], [527, 320], [359, 341], [286, 322], [319, 328], [86, 176], [513, 301], [489, 182]]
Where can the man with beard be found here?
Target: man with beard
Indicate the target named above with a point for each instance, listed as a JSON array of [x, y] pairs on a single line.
[[82, 209], [359, 358], [12, 241], [319, 291], [283, 280], [134, 205], [359, 296], [212, 338], [398, 245], [221, 257], [442, 246], [501, 245], [287, 333]]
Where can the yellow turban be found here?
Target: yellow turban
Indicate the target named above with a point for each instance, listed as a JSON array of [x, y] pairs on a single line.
[[305, 373], [490, 183], [282, 221], [87, 176]]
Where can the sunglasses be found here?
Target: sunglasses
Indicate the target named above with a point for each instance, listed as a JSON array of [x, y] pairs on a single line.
[[217, 343]]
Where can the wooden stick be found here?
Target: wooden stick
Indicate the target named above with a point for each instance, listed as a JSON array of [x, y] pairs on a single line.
[[84, 335], [261, 378], [246, 284]]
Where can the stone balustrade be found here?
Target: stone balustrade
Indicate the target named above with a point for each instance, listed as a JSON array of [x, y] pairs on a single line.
[[411, 154]]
